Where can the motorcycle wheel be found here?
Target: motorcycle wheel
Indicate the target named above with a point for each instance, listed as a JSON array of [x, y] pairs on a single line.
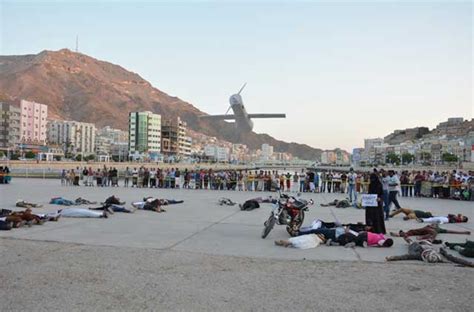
[[268, 226], [295, 225]]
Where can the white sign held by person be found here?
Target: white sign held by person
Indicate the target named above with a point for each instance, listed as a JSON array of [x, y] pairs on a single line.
[[369, 200]]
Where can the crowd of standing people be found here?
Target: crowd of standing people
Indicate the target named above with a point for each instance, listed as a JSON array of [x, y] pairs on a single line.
[[454, 185]]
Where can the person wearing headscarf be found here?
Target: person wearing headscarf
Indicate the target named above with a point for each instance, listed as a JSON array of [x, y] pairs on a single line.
[[374, 216]]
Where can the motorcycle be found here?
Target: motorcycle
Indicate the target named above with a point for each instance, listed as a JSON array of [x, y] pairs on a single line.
[[289, 211]]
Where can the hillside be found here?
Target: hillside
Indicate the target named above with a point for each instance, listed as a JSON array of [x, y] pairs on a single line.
[[76, 86]]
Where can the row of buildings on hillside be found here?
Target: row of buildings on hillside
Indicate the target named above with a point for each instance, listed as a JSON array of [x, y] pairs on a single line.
[[337, 157], [27, 128], [149, 137], [452, 137]]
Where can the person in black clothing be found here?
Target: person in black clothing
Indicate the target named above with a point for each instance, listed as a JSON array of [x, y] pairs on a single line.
[[374, 216]]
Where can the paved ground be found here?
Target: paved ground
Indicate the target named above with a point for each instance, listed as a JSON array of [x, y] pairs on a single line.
[[202, 256]]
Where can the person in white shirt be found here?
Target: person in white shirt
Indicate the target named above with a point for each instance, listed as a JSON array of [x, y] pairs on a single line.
[[393, 185], [351, 179]]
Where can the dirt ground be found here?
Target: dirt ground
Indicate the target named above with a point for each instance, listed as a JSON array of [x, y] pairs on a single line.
[[50, 276]]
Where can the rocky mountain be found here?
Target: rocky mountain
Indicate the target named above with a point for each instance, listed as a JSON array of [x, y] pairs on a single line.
[[78, 87], [399, 136]]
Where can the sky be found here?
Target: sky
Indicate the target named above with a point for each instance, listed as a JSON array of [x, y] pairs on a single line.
[[342, 71]]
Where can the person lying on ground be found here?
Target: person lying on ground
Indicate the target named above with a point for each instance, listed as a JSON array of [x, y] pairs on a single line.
[[317, 224], [428, 233], [411, 214], [366, 239], [24, 204], [450, 218], [39, 218], [418, 250], [344, 203], [466, 249], [81, 213], [161, 202], [62, 201], [83, 201], [264, 200], [16, 221], [28, 216], [254, 203], [111, 208], [113, 200], [152, 204], [226, 201], [302, 242]]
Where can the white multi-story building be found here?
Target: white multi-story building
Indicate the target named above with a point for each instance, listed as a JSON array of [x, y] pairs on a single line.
[[107, 137], [218, 153], [33, 121], [267, 152], [144, 132], [75, 137], [115, 135]]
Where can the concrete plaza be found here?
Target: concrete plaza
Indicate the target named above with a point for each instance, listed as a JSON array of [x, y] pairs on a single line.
[[198, 233]]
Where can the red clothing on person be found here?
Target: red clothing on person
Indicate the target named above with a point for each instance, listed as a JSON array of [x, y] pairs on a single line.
[[373, 239]]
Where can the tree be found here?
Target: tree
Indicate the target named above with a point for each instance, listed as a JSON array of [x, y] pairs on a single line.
[[2, 154], [79, 157], [407, 158], [393, 158], [30, 155], [90, 157], [15, 156], [448, 157]]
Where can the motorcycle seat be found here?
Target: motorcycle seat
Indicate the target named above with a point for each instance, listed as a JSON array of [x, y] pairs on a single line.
[[299, 204]]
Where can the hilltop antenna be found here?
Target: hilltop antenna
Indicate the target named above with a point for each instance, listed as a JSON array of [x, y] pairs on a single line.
[[77, 43]]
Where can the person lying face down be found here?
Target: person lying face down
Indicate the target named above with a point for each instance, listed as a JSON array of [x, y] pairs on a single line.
[[113, 200], [428, 233], [81, 213], [344, 203], [62, 201], [24, 204], [113, 204], [27, 216], [411, 214], [9, 221], [154, 204], [150, 203], [366, 239], [302, 242], [450, 218], [418, 250], [466, 249], [425, 216]]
